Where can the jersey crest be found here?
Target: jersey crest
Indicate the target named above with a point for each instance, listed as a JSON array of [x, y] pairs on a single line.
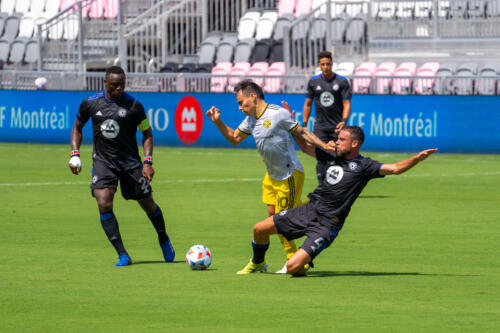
[[267, 123], [110, 128]]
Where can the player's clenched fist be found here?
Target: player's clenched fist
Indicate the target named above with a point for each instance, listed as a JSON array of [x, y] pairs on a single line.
[[213, 113]]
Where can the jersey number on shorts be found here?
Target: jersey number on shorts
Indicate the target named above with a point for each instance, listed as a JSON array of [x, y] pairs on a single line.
[[144, 185], [319, 242]]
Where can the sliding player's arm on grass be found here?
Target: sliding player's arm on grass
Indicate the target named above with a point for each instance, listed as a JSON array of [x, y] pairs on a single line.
[[404, 165], [233, 136]]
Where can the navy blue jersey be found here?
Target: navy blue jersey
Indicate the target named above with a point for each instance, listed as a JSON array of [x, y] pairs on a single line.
[[328, 96], [342, 183], [114, 126]]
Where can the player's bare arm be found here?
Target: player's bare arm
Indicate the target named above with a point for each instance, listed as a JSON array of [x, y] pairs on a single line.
[[147, 144], [233, 136], [404, 165], [306, 147], [75, 164], [311, 138], [306, 111], [346, 112]]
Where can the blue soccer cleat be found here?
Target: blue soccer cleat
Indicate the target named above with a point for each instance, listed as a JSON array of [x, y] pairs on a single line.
[[124, 260], [168, 251]]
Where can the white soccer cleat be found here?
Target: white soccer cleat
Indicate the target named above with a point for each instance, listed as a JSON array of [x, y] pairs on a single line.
[[282, 271]]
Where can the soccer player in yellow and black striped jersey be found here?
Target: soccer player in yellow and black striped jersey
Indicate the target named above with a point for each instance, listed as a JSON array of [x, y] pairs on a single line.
[[270, 126]]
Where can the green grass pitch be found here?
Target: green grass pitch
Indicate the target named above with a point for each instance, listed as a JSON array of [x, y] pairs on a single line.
[[420, 252]]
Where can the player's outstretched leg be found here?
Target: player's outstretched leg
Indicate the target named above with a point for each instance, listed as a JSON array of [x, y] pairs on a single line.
[[110, 226]]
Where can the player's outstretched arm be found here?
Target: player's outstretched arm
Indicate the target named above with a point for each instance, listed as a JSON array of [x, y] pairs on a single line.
[[75, 163], [303, 144], [402, 166], [233, 136], [311, 138]]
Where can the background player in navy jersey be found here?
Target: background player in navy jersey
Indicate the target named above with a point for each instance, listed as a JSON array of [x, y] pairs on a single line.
[[321, 219], [115, 118], [332, 101]]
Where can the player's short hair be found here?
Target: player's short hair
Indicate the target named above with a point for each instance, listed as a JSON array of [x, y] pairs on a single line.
[[247, 87], [114, 70], [356, 133], [324, 54]]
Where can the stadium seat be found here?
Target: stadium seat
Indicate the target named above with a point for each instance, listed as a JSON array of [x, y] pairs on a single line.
[[261, 50], [276, 51], [443, 9], [344, 69], [465, 86], [206, 53], [303, 7], [477, 8], [426, 86], [243, 51], [8, 6], [362, 85], [404, 86], [274, 85], [17, 49], [4, 50], [492, 10], [11, 28], [488, 86], [204, 68], [65, 4], [31, 52], [457, 9], [337, 9], [225, 52], [22, 6], [218, 84], [26, 27], [258, 69], [386, 11], [286, 7], [51, 7], [405, 10], [248, 25], [265, 25], [356, 30], [70, 27], [444, 80], [318, 33], [338, 30], [354, 9], [423, 9], [384, 69], [239, 70], [56, 30], [96, 9], [3, 18], [170, 67], [281, 23], [40, 20]]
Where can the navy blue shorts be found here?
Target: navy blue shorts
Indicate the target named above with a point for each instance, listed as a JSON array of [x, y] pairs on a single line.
[[305, 221], [132, 183]]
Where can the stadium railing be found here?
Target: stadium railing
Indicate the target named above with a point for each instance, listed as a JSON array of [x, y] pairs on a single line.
[[296, 83]]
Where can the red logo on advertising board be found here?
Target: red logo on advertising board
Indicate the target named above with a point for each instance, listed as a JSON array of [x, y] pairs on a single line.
[[188, 120]]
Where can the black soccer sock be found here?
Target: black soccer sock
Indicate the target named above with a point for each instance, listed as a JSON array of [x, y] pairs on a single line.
[[159, 224], [259, 252], [110, 227]]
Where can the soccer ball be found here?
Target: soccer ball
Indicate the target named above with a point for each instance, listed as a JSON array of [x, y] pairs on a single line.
[[199, 257], [41, 83]]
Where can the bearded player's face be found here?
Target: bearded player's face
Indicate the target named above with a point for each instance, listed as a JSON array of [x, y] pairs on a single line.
[[115, 85]]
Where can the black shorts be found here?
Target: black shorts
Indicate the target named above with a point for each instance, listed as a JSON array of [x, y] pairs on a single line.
[[132, 183], [304, 221]]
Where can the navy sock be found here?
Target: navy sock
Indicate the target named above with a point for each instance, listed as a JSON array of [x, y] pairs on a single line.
[[159, 224], [259, 252], [110, 227]]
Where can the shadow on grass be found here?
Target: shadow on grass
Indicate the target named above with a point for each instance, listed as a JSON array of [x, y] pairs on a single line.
[[157, 262], [363, 273]]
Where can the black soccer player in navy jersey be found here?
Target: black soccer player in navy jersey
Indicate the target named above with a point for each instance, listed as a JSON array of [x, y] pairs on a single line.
[[115, 118], [332, 101], [321, 219]]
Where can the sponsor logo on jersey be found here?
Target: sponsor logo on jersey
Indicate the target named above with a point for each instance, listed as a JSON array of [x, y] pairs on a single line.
[[110, 128], [267, 123], [122, 112], [353, 165], [188, 120], [326, 99], [334, 174], [335, 87]]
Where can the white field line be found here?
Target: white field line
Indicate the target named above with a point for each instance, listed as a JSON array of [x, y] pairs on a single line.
[[235, 180]]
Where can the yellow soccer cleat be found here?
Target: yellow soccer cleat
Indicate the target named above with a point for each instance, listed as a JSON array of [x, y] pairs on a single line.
[[252, 268]]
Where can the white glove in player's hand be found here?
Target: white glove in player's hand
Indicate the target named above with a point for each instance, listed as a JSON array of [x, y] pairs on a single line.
[[75, 164]]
